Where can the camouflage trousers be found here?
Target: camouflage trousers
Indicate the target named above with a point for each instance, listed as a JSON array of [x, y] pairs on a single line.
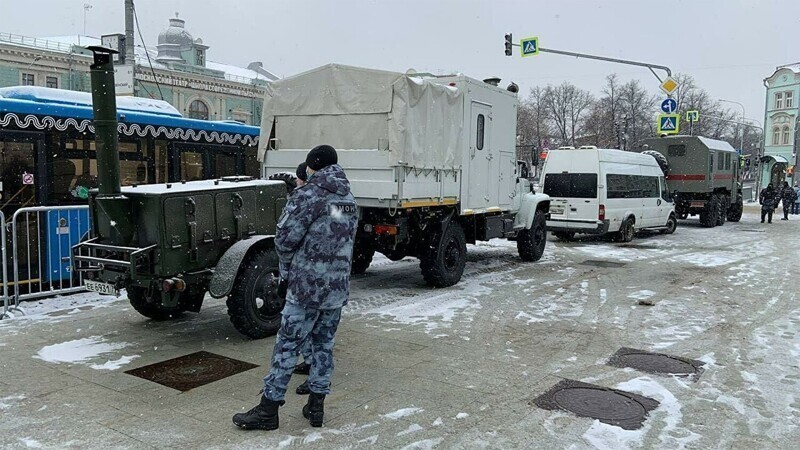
[[298, 326]]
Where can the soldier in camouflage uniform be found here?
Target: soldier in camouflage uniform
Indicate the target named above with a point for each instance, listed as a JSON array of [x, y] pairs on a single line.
[[315, 244]]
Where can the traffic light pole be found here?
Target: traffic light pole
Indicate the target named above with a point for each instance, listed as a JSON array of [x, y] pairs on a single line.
[[599, 58]]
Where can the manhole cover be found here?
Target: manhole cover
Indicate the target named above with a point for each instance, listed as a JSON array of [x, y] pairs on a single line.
[[601, 263], [614, 407], [656, 363], [191, 371]]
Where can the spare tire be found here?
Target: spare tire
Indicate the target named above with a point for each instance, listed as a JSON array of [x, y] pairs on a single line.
[[286, 177], [660, 159]]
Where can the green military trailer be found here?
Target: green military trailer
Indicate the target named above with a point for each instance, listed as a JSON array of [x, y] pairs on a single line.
[[703, 175], [168, 245]]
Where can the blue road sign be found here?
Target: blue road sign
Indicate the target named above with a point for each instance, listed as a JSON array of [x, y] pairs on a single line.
[[668, 123], [669, 105], [529, 46]]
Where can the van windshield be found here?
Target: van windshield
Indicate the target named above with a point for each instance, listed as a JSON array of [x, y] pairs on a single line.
[[571, 185]]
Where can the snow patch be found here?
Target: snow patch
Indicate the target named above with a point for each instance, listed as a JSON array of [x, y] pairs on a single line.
[[462, 415], [437, 422], [427, 444], [403, 412], [114, 365], [8, 402], [641, 295], [30, 443], [413, 428], [78, 351]]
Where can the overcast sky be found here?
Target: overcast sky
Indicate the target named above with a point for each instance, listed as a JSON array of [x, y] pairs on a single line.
[[729, 46]]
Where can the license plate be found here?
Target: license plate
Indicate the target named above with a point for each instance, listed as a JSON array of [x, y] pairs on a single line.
[[101, 288]]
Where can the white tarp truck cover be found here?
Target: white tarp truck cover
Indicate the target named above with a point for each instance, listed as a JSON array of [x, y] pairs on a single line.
[[417, 120]]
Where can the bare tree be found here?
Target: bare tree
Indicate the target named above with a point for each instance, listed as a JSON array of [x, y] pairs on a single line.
[[566, 106]]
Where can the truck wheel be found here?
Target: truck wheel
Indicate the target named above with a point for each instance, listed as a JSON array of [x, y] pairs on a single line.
[[253, 306], [442, 261], [708, 216], [148, 307], [672, 224], [362, 258], [735, 211], [724, 201], [626, 231], [531, 243], [564, 235]]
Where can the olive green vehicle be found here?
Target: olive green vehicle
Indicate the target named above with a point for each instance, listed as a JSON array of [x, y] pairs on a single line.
[[168, 245]]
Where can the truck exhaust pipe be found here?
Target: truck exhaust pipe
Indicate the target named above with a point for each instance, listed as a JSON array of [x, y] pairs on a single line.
[[113, 219]]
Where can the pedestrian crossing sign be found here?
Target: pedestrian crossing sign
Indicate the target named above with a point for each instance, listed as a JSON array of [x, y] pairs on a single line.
[[669, 123], [529, 46]]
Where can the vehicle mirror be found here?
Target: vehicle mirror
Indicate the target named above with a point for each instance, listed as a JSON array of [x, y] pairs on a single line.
[[534, 156]]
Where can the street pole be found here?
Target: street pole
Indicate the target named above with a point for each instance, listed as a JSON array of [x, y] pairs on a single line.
[[741, 137], [86, 8]]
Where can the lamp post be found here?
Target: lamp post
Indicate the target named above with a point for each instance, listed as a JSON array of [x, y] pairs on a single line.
[[741, 137], [86, 8]]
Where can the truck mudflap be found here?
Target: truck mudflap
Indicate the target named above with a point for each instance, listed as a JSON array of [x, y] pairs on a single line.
[[228, 266], [527, 211]]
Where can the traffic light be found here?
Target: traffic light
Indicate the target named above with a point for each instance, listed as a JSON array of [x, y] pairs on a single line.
[[508, 44]]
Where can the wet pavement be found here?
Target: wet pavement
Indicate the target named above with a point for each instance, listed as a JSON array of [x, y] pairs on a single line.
[[460, 367]]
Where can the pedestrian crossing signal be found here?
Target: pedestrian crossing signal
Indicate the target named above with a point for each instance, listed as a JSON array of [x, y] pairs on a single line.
[[668, 123], [529, 46]]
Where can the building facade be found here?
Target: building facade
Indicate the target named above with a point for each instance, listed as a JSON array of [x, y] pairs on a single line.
[[177, 71], [780, 125]]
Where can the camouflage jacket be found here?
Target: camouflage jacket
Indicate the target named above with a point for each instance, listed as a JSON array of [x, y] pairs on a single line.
[[768, 198], [315, 240], [788, 195]]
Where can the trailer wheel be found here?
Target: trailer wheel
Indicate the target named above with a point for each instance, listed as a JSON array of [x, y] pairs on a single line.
[[253, 306], [564, 235], [735, 211], [148, 307], [362, 258], [672, 224], [531, 243], [442, 261]]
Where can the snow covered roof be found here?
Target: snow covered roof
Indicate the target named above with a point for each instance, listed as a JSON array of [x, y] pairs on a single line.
[[64, 44], [76, 98]]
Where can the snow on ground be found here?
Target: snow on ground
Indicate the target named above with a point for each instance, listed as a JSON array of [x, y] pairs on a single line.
[[403, 412], [83, 350]]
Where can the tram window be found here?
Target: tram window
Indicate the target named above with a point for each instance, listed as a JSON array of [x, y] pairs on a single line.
[[161, 162], [225, 165], [251, 165], [16, 159], [191, 166], [128, 147], [85, 178], [132, 172]]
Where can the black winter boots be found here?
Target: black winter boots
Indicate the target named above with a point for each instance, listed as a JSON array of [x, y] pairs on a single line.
[[263, 416], [303, 389], [314, 409]]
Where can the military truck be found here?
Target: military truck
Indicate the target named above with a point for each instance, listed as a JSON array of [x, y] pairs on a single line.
[[431, 161], [703, 175], [168, 244]]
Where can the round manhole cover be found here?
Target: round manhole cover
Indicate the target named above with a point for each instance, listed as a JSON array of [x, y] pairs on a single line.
[[655, 363], [599, 404]]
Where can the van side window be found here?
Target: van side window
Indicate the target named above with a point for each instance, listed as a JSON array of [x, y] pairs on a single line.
[[676, 150], [649, 187], [664, 192], [631, 186], [480, 127]]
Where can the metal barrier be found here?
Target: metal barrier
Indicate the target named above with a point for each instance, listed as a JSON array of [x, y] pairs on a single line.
[[6, 308], [48, 234]]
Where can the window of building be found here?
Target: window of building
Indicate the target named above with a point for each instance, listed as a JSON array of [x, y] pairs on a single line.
[[200, 57], [776, 136], [479, 138], [789, 99], [785, 135], [28, 79], [198, 110], [779, 100], [51, 82]]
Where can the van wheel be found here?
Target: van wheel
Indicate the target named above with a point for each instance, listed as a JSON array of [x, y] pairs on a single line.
[[254, 306], [442, 261], [672, 224], [564, 235], [149, 306], [626, 231], [708, 216], [531, 243], [735, 211]]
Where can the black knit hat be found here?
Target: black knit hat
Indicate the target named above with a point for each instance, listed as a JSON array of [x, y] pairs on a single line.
[[321, 157], [301, 171]]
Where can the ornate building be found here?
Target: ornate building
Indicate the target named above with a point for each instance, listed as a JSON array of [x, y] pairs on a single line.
[[780, 125], [177, 71]]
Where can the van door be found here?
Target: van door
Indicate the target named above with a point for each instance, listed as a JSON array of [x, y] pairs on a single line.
[[665, 205], [651, 201], [481, 189]]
